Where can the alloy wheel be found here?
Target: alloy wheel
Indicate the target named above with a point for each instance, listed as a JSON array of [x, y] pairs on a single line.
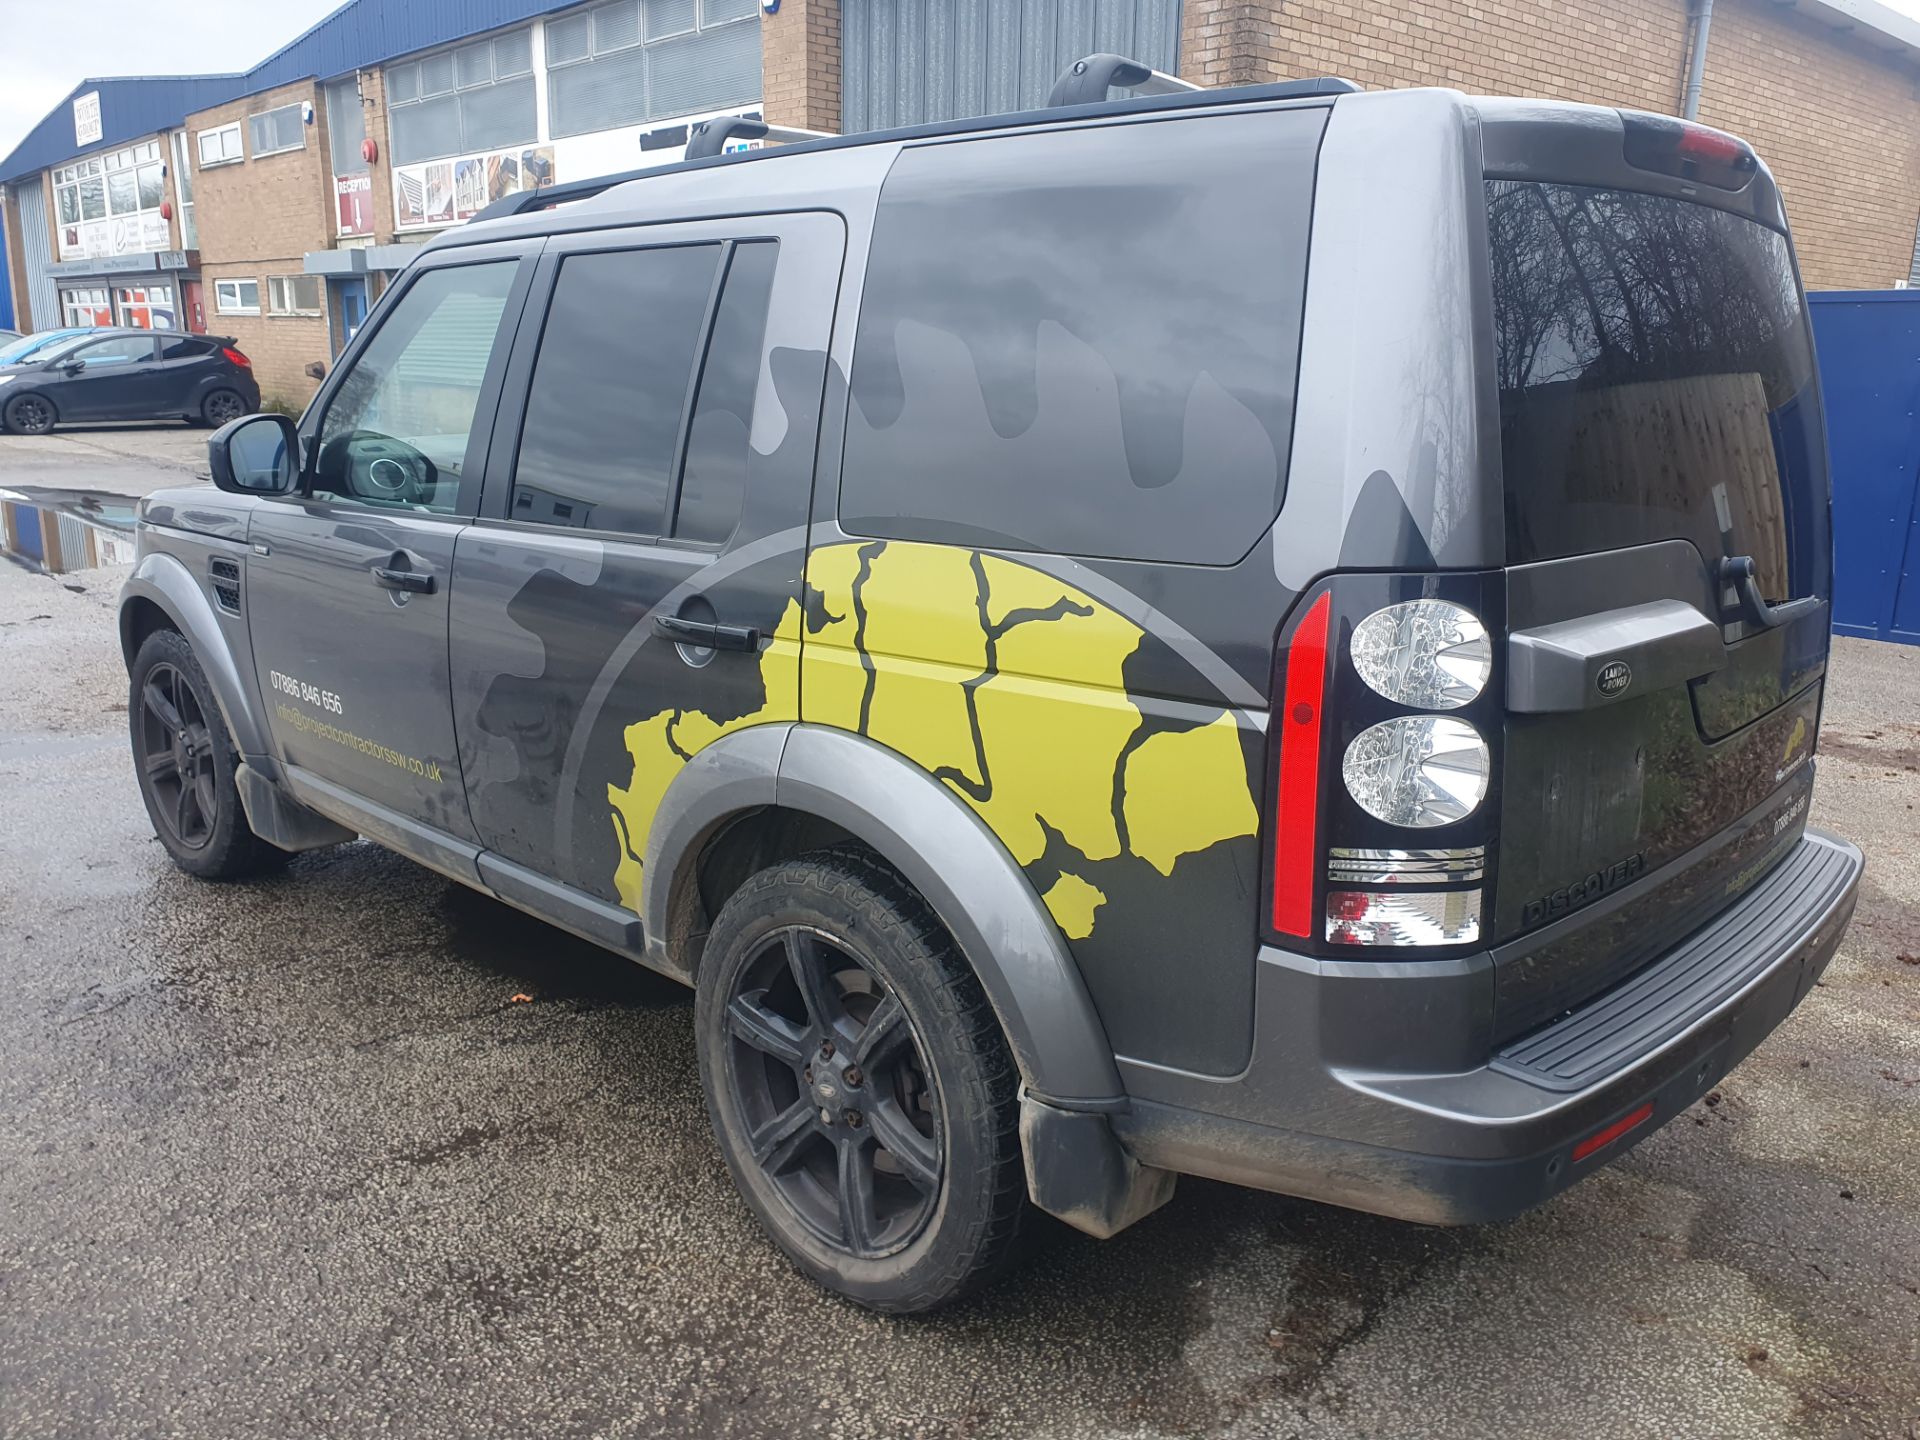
[[30, 415], [176, 757], [834, 1090], [223, 406]]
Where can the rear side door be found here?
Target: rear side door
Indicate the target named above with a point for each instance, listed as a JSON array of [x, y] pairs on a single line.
[[348, 580], [109, 379], [632, 589]]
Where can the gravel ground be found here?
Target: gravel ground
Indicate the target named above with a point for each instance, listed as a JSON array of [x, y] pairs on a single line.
[[300, 1157], [121, 459]]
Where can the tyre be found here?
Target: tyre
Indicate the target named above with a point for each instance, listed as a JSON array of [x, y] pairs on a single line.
[[858, 1083], [29, 415], [185, 761], [220, 406]]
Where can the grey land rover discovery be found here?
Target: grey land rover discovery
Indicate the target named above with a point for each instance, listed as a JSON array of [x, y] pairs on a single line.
[[1270, 633]]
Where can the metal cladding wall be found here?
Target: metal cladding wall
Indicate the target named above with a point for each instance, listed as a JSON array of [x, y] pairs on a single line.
[[40, 306], [1869, 344], [903, 62]]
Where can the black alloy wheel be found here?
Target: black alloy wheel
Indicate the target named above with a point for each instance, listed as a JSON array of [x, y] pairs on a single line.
[[29, 415], [177, 758], [833, 1085], [222, 406]]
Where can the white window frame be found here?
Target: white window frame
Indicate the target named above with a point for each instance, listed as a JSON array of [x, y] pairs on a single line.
[[220, 133], [300, 111], [221, 290], [280, 295], [135, 160]]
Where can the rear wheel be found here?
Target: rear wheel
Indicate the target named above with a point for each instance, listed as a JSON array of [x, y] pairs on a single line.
[[221, 406], [186, 764], [29, 415], [859, 1085]]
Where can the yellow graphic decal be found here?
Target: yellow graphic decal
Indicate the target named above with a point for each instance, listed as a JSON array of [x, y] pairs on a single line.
[[1002, 682], [1795, 739]]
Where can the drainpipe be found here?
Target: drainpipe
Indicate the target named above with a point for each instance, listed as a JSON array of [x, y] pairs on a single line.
[[1697, 63]]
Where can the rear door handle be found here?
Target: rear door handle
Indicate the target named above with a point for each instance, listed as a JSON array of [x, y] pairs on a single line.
[[388, 578], [705, 635]]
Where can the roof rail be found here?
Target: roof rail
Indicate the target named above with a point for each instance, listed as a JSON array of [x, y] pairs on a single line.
[[710, 137], [1089, 80]]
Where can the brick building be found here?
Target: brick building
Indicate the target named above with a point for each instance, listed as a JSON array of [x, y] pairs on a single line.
[[273, 205]]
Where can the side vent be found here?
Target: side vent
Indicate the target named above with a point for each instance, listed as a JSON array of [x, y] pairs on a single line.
[[225, 575]]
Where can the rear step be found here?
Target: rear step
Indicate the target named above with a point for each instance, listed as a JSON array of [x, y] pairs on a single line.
[[1634, 1019]]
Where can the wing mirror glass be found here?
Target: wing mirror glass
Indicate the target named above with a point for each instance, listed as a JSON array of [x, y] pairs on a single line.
[[254, 455]]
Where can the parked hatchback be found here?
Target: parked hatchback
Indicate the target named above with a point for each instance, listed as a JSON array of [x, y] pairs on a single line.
[[127, 374], [1275, 634]]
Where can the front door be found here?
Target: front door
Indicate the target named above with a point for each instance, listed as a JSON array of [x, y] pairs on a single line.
[[348, 579], [110, 379], [196, 306], [350, 310], [632, 590]]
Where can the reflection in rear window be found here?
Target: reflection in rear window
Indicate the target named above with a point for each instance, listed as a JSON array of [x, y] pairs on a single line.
[[1656, 382]]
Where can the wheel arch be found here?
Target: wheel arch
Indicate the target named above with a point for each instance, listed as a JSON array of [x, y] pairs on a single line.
[[847, 786], [163, 594]]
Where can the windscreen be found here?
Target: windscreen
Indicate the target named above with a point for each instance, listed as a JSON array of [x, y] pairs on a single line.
[[1656, 382]]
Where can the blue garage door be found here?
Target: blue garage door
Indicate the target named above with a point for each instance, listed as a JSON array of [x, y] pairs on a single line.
[[1869, 344]]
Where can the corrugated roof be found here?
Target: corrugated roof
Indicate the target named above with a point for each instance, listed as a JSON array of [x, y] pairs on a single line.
[[358, 34]]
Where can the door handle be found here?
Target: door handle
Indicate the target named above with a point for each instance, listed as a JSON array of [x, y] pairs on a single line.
[[707, 636], [388, 578]]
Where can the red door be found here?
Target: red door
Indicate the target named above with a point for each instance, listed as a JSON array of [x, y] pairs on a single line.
[[196, 307]]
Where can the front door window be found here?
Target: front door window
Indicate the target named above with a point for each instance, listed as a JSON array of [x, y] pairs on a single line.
[[400, 429]]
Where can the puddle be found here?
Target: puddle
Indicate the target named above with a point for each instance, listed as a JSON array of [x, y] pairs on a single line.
[[60, 530]]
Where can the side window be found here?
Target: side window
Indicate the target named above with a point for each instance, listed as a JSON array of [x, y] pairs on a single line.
[[397, 430], [609, 390], [184, 349], [1085, 342], [120, 350], [714, 483]]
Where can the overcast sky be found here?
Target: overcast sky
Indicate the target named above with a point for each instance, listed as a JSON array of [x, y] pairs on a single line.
[[48, 48]]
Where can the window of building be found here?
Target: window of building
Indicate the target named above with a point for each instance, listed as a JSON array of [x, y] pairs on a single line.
[[280, 129], [221, 146], [598, 445], [113, 186], [1105, 368], [636, 60], [346, 126], [150, 307], [293, 295], [461, 102], [87, 305], [183, 184], [236, 297]]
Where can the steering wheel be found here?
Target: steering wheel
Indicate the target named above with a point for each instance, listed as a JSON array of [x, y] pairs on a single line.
[[380, 468]]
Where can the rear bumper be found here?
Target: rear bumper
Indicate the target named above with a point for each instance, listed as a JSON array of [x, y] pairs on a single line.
[[1331, 1109]]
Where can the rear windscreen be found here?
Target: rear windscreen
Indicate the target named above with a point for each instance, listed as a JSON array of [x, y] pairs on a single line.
[[1656, 382]]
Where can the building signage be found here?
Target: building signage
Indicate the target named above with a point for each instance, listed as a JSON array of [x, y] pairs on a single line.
[[439, 192], [120, 235], [86, 119], [353, 199], [111, 265]]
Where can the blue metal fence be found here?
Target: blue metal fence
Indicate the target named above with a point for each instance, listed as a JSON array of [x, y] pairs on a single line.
[[1869, 343]]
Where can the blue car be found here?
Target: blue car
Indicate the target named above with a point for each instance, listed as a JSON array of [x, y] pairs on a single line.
[[19, 347]]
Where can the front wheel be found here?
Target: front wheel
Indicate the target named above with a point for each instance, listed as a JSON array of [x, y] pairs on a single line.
[[186, 764], [859, 1085], [29, 415]]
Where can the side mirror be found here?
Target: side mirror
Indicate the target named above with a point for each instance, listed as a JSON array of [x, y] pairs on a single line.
[[73, 367], [316, 370], [254, 455]]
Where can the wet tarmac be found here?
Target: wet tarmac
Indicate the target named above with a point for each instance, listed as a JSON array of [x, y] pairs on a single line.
[[352, 1151]]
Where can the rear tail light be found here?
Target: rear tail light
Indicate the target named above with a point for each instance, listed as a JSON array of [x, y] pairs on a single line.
[[1693, 152], [1295, 853], [234, 357], [1366, 769], [1418, 771]]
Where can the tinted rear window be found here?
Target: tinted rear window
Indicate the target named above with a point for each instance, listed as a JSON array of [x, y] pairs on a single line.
[[1656, 382], [1085, 342]]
